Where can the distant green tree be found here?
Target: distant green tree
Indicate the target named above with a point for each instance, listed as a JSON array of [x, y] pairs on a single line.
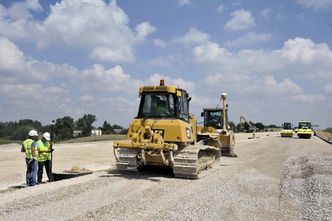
[[259, 126], [21, 132], [64, 128], [85, 124], [106, 128], [32, 123], [232, 126], [115, 126], [272, 126]]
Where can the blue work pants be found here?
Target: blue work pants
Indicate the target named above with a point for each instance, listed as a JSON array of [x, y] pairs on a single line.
[[32, 170]]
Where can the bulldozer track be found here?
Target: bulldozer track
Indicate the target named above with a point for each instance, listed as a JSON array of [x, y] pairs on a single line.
[[191, 160]]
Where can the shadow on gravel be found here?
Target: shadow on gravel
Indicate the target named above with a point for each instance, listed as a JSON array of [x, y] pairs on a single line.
[[153, 173], [57, 177], [64, 176]]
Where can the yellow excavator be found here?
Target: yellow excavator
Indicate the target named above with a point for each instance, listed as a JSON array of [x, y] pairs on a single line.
[[216, 131], [164, 133]]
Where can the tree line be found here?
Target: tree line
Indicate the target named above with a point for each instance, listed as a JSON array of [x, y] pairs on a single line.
[[246, 127], [62, 128]]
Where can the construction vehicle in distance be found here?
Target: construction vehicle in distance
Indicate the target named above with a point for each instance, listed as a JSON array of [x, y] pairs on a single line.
[[216, 131], [246, 126], [304, 129], [164, 133], [286, 130]]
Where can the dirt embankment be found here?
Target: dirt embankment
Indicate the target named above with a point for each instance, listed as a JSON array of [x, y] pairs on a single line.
[[326, 136]]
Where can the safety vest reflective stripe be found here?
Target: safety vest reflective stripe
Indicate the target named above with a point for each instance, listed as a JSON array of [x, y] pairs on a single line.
[[43, 147], [49, 156], [28, 148]]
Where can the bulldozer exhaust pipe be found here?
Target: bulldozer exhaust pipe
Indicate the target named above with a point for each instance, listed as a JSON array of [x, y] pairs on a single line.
[[223, 97]]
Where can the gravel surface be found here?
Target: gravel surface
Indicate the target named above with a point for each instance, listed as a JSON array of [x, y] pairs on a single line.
[[307, 184], [273, 178]]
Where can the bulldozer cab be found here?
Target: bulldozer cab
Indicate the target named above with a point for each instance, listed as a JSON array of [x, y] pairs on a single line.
[[164, 104], [213, 117]]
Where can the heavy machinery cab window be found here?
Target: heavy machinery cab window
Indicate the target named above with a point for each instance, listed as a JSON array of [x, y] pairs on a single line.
[[304, 125], [157, 105], [287, 126], [213, 119], [183, 106]]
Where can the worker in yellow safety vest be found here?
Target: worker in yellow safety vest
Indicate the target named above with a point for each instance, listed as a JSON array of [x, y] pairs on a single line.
[[44, 157], [29, 146]]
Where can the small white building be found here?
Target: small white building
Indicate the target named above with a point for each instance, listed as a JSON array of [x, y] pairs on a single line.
[[96, 132], [77, 133], [117, 131]]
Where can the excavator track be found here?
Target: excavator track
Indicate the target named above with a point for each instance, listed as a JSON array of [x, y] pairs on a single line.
[[191, 160], [126, 160]]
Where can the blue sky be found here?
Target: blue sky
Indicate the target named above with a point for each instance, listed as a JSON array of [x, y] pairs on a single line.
[[73, 57]]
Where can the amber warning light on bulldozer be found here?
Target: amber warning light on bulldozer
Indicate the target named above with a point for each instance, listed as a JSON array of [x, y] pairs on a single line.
[[162, 82]]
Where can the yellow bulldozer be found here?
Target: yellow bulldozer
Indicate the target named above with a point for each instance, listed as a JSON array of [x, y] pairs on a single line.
[[164, 133], [216, 131]]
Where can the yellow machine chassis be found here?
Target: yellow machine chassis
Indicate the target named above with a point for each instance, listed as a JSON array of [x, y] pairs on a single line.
[[286, 133]]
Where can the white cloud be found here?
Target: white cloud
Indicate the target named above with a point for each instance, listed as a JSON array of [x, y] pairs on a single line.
[[308, 98], [180, 82], [143, 30], [315, 4], [221, 8], [209, 52], [101, 79], [32, 93], [306, 51], [159, 43], [248, 39], [33, 5], [297, 51], [192, 37], [124, 54], [285, 87], [226, 78], [183, 2], [86, 98], [162, 61], [240, 20], [328, 88], [266, 13], [11, 58], [94, 25]]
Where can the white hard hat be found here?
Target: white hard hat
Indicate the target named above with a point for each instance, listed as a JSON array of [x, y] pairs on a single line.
[[33, 133], [47, 136]]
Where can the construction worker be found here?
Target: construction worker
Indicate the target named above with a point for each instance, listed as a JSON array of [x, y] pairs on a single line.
[[29, 146], [44, 157]]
